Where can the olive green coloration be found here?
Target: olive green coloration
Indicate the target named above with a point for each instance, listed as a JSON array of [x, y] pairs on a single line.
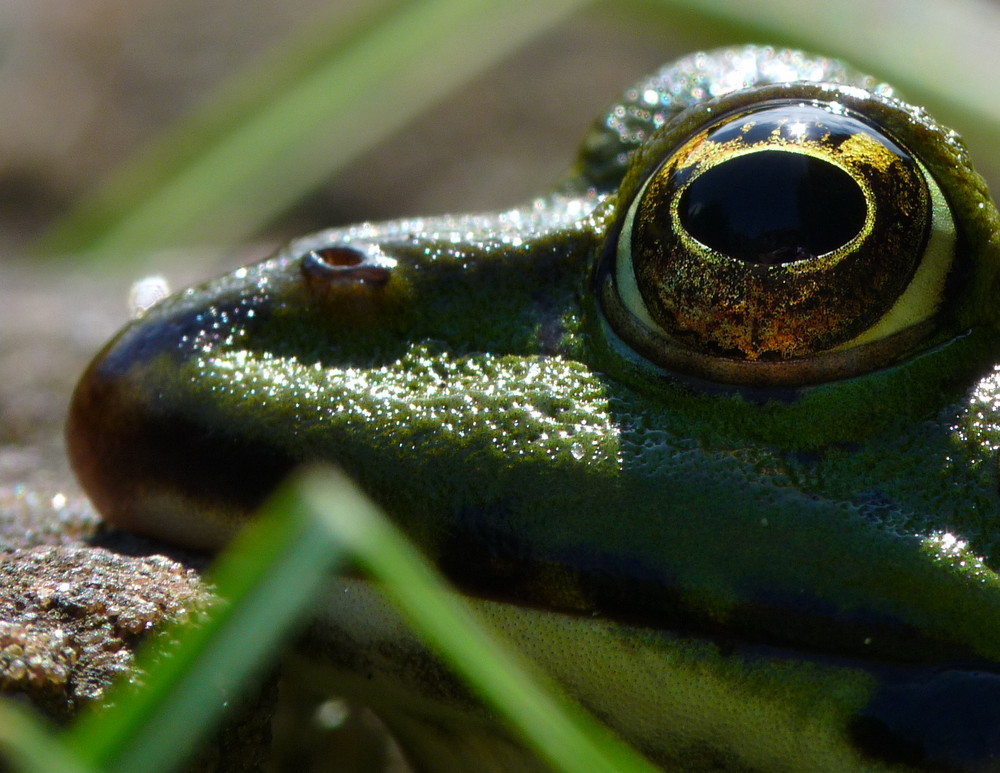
[[777, 561]]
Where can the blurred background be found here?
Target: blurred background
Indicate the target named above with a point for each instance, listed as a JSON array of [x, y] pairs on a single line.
[[89, 85]]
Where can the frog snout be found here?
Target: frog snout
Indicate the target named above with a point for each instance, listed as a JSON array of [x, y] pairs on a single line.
[[152, 457]]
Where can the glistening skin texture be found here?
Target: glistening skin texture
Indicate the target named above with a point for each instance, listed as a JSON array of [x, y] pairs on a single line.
[[709, 431]]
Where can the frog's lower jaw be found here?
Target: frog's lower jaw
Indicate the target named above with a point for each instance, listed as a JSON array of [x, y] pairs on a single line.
[[687, 704]]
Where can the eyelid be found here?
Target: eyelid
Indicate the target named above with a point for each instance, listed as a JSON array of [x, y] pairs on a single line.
[[627, 285]]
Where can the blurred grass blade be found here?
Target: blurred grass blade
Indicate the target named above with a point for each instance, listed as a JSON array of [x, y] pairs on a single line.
[[943, 52], [268, 578], [560, 731], [225, 108], [29, 746], [323, 116]]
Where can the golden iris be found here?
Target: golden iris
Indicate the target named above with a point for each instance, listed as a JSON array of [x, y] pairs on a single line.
[[775, 234]]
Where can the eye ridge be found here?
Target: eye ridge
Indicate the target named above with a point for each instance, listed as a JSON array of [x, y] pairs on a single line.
[[713, 283]]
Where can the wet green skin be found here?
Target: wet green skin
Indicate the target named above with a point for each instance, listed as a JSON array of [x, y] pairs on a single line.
[[734, 579]]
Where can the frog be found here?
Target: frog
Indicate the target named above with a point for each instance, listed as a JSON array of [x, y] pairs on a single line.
[[709, 431]]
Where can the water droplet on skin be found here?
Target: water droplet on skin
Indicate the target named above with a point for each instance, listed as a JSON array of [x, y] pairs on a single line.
[[145, 293]]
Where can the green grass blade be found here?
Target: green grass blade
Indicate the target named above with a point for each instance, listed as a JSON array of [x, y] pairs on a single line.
[[358, 95], [268, 579], [560, 731], [30, 746]]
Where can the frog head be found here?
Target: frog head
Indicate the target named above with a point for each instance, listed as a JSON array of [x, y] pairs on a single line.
[[709, 429]]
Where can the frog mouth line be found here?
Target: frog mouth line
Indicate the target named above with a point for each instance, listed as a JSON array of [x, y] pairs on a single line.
[[929, 716]]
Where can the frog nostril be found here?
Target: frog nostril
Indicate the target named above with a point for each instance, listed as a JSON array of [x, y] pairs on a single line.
[[340, 256], [364, 264]]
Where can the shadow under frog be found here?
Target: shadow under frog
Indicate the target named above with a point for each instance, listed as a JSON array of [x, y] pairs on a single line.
[[729, 477]]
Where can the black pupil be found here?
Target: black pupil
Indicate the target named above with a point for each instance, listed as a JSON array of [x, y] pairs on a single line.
[[773, 207]]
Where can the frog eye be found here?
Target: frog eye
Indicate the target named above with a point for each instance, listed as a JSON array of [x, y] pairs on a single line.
[[789, 243]]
